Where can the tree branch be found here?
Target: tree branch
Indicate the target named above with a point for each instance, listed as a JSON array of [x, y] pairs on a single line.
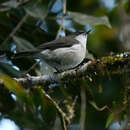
[[116, 64]]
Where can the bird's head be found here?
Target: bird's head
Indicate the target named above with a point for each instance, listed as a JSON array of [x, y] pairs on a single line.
[[81, 36]]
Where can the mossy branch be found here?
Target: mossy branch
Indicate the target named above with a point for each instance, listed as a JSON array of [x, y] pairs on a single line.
[[115, 64]]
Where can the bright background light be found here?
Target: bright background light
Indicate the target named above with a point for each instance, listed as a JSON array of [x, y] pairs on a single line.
[[6, 124]]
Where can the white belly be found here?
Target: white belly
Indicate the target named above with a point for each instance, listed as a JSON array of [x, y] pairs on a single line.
[[64, 58]]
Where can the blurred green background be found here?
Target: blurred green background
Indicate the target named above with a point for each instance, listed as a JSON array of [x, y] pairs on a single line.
[[25, 24]]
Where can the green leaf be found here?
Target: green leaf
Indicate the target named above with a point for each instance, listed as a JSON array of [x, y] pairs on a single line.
[[38, 11], [48, 109], [15, 87], [6, 68], [22, 44], [109, 120], [84, 19], [11, 4]]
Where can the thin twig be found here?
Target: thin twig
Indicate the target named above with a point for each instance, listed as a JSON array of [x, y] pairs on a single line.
[[63, 116], [83, 108], [32, 67], [100, 108], [63, 19], [64, 6], [15, 30], [71, 109]]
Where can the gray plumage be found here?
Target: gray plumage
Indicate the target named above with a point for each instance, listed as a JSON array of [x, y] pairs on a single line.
[[63, 53]]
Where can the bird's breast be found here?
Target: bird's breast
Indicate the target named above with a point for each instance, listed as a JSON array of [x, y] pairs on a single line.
[[65, 58]]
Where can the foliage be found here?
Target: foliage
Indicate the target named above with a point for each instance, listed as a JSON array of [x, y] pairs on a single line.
[[25, 24]]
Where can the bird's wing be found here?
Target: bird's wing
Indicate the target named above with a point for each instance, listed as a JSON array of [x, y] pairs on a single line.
[[55, 44], [58, 43]]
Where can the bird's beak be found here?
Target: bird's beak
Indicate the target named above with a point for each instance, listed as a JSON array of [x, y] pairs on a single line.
[[88, 31]]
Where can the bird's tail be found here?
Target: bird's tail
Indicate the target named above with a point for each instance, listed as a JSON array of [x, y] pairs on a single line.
[[23, 54]]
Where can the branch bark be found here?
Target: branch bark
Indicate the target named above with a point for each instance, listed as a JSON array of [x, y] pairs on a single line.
[[115, 64]]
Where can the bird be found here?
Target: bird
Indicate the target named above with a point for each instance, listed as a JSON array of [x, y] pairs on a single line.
[[62, 54]]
